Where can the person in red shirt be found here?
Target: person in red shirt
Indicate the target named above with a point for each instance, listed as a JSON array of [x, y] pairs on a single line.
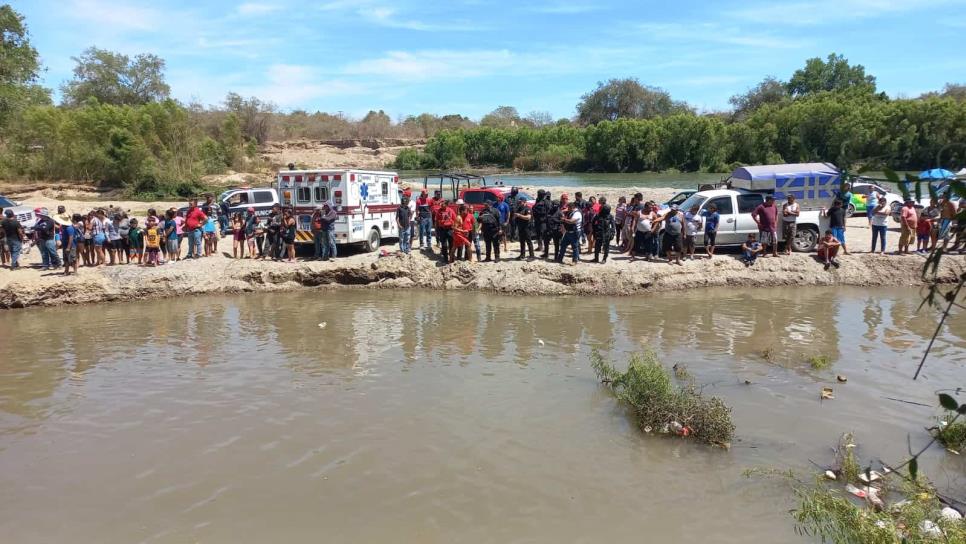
[[193, 221], [445, 220], [462, 224], [923, 233]]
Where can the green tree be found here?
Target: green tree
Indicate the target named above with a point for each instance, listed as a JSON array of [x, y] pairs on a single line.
[[502, 117], [625, 99], [19, 67], [231, 140], [375, 124], [769, 91], [447, 149], [255, 116], [833, 74], [114, 78]]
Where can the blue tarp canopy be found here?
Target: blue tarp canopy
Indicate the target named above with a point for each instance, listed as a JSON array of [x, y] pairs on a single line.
[[772, 171], [812, 183], [936, 174]]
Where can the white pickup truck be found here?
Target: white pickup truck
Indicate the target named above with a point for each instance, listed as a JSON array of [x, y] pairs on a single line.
[[735, 207]]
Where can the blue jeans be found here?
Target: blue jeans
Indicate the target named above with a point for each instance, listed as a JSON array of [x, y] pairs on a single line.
[[426, 230], [194, 243], [223, 223], [42, 247], [14, 246], [50, 248], [317, 238], [879, 232], [750, 256], [328, 244], [405, 239], [571, 239]]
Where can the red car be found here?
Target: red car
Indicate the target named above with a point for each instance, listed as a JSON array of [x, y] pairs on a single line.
[[476, 197]]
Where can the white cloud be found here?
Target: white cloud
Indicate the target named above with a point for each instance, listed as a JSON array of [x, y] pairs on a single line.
[[716, 33], [117, 16], [418, 65], [291, 85], [255, 8], [830, 11]]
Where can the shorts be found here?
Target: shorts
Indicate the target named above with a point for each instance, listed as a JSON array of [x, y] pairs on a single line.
[[70, 255], [117, 244], [944, 225], [789, 230], [99, 240], [766, 237], [689, 241], [153, 252], [839, 234], [136, 251], [709, 237], [923, 237], [173, 245], [289, 240], [672, 242]]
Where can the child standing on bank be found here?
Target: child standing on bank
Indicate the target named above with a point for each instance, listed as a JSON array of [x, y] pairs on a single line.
[[152, 242], [135, 240]]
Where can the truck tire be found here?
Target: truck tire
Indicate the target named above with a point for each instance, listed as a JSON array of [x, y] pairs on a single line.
[[805, 239], [374, 241], [850, 210]]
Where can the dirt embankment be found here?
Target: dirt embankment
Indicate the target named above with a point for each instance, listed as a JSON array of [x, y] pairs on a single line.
[[373, 154], [219, 274]]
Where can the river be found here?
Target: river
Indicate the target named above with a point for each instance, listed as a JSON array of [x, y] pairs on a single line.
[[442, 417]]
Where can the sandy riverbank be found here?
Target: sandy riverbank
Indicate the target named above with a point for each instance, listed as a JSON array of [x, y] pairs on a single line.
[[220, 274]]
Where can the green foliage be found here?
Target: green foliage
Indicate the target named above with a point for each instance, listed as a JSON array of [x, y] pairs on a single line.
[[646, 387], [820, 362], [842, 128], [447, 149], [952, 434], [148, 149], [833, 74], [412, 159], [831, 515], [19, 67], [626, 99], [113, 78]]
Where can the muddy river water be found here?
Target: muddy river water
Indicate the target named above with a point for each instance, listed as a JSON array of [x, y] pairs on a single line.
[[441, 417]]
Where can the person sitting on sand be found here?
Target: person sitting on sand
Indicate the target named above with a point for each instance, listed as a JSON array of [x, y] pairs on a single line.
[[751, 249], [828, 249], [836, 222]]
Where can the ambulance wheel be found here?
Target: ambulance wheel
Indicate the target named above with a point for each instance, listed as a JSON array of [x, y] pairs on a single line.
[[374, 240]]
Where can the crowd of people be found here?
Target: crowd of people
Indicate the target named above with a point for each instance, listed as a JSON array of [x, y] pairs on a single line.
[[643, 229], [552, 229]]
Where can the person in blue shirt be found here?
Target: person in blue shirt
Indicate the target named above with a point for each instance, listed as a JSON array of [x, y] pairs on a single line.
[[751, 249], [711, 220], [504, 210]]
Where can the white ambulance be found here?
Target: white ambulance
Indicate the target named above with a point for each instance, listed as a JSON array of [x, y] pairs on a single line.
[[365, 200]]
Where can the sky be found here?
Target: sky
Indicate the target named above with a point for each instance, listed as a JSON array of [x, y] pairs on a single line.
[[470, 56]]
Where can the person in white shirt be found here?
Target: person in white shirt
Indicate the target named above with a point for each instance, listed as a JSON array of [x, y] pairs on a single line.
[[572, 222], [693, 223], [790, 212]]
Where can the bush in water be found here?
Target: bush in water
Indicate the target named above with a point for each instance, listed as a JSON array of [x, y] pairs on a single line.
[[659, 404]]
